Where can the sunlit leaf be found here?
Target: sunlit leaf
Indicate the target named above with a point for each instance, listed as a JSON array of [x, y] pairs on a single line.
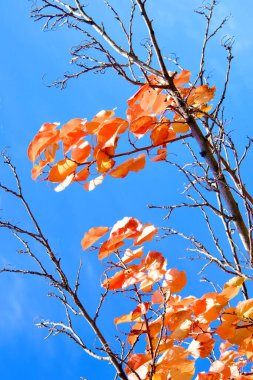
[[147, 234], [82, 175], [72, 132], [132, 164], [182, 78], [140, 310], [139, 127], [130, 255], [80, 152], [92, 236], [175, 280], [94, 183], [65, 183], [62, 170], [47, 135]]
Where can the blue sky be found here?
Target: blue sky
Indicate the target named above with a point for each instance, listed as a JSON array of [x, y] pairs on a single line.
[[30, 60]]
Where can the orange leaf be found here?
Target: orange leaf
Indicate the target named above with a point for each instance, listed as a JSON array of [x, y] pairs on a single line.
[[37, 169], [132, 164], [82, 175], [72, 132], [138, 329], [139, 364], [108, 133], [147, 234], [116, 281], [214, 305], [138, 95], [182, 78], [62, 170], [209, 376], [89, 186], [142, 125], [162, 133], [92, 236], [161, 155], [65, 183], [175, 280], [199, 306], [47, 135], [148, 99], [104, 162], [160, 104], [124, 278], [175, 318], [202, 346], [81, 152], [232, 287], [182, 330], [50, 152], [135, 112], [128, 227], [155, 265], [245, 308], [130, 255], [201, 95], [103, 116], [179, 125], [109, 247], [140, 310], [97, 122], [158, 297], [124, 229], [72, 126]]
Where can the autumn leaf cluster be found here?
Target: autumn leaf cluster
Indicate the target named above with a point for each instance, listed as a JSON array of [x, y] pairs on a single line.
[[176, 330], [90, 147]]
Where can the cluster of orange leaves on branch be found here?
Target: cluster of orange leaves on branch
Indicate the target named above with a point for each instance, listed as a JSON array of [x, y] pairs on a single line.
[[86, 144], [176, 330]]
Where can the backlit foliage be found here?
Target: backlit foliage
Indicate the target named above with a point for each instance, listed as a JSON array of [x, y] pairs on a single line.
[[176, 330], [90, 147]]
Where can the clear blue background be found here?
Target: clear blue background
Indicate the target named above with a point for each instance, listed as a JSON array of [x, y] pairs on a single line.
[[30, 59]]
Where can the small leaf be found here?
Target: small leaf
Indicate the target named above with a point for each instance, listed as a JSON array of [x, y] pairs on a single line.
[[82, 175], [175, 280], [142, 125], [89, 186], [140, 310], [62, 170], [65, 183], [130, 255], [147, 234], [132, 164], [80, 152], [161, 155], [92, 236], [182, 78], [47, 135]]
